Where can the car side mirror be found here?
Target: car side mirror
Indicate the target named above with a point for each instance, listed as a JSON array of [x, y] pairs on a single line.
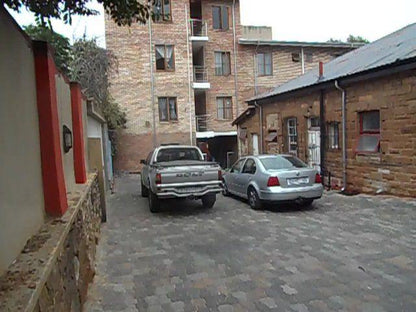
[[142, 161]]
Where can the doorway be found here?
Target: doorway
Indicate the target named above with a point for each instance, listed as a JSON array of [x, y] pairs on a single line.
[[314, 143]]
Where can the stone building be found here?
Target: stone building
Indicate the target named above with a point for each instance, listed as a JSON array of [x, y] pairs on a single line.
[[374, 87], [185, 76]]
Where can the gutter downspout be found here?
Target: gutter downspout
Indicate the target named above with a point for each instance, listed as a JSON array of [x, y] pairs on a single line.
[[344, 137], [260, 125], [152, 83], [302, 57], [189, 75], [235, 62]]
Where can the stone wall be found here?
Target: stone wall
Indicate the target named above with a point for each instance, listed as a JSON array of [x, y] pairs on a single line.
[[57, 264]]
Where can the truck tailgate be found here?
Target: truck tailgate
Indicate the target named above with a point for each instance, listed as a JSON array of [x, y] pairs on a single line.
[[188, 174]]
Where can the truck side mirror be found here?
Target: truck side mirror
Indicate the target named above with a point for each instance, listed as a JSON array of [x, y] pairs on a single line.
[[142, 161]]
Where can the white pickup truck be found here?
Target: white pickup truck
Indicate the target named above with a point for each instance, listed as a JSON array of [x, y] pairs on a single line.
[[178, 171]]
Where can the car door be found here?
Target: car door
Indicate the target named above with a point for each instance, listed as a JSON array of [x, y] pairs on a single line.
[[233, 176], [247, 175]]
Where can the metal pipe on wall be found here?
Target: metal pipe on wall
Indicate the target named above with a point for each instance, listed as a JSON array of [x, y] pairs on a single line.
[[344, 136], [260, 125], [189, 75], [152, 84], [235, 61]]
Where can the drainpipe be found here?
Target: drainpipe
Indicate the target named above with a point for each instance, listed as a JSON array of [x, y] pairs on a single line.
[[302, 60], [255, 68], [235, 61], [189, 75], [261, 124], [344, 137], [152, 83]]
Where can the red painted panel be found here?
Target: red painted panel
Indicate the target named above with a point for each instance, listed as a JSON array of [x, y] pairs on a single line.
[[78, 134], [54, 188]]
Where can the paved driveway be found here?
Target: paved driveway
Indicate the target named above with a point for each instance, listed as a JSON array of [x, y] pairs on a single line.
[[346, 254]]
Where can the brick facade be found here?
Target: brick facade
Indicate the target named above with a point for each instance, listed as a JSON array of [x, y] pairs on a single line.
[[131, 86], [392, 170]]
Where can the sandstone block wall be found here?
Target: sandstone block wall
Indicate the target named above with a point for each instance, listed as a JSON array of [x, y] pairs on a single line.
[[57, 264]]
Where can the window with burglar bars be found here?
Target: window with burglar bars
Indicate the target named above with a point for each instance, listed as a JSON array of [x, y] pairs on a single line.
[[222, 64], [168, 109], [220, 17], [369, 140], [165, 57], [162, 10], [333, 135], [292, 135], [264, 64], [224, 108]]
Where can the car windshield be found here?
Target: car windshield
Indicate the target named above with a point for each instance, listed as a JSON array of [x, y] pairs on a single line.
[[282, 162], [172, 154]]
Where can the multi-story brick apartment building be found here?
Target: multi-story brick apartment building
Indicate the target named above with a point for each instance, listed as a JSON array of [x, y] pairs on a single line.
[[185, 76]]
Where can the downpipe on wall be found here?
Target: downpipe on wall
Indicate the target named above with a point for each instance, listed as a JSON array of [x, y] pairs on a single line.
[[260, 125], [344, 136]]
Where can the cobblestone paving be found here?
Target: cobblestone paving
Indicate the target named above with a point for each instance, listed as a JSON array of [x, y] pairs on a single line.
[[345, 254]]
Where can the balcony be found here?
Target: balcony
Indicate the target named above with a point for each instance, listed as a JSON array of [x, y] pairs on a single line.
[[200, 78], [198, 30]]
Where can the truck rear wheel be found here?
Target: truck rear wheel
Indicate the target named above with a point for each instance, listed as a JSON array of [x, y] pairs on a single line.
[[145, 191], [208, 200], [154, 202]]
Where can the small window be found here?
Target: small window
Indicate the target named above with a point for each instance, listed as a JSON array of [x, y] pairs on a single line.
[[162, 10], [271, 137], [292, 136], [167, 109], [295, 57], [250, 166], [333, 135], [308, 57], [224, 108], [220, 17], [369, 140], [165, 58], [264, 64], [222, 64]]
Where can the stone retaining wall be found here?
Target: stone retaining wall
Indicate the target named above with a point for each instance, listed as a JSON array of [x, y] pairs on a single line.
[[54, 269]]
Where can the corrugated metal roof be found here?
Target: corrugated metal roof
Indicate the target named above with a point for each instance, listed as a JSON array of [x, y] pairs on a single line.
[[398, 46]]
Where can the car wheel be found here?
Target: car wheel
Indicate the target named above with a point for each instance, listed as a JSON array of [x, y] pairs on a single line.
[[307, 202], [225, 191], [154, 202], [208, 200], [145, 191], [253, 199]]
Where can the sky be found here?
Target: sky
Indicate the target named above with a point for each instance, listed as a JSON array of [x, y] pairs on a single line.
[[300, 20]]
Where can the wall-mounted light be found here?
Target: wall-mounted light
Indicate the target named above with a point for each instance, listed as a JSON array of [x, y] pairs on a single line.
[[67, 135]]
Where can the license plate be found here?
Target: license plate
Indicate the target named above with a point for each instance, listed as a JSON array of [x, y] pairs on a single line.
[[297, 181]]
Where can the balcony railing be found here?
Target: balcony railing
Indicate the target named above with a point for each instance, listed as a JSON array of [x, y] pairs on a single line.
[[200, 74], [202, 122], [198, 28]]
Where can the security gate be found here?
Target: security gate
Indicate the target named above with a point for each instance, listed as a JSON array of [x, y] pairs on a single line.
[[314, 144]]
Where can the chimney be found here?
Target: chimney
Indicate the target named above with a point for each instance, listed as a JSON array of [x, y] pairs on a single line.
[[321, 70]]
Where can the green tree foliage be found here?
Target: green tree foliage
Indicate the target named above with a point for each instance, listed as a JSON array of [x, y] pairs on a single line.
[[60, 44], [121, 11], [90, 66], [356, 39]]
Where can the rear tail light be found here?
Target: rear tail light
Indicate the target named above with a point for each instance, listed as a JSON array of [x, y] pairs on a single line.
[[158, 178], [318, 178], [219, 175], [273, 181]]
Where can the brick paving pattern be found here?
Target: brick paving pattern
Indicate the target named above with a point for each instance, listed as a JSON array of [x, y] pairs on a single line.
[[345, 254]]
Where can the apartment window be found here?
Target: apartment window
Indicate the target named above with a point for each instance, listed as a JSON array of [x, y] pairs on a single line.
[[162, 10], [168, 109], [264, 64], [220, 17], [165, 58], [333, 135], [369, 140], [222, 64], [224, 108], [292, 135], [296, 57]]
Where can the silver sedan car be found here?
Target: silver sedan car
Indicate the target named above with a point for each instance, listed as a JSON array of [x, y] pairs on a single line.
[[273, 178]]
